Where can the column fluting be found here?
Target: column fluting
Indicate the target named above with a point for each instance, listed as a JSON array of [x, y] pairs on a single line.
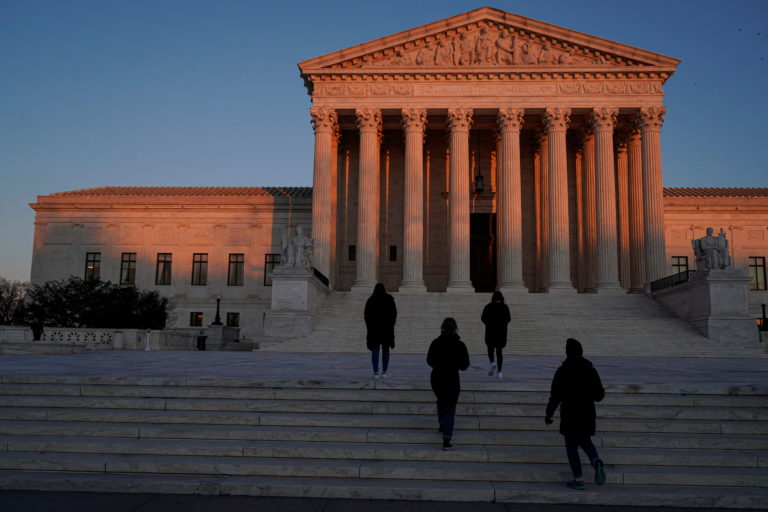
[[510, 215], [324, 123], [603, 123], [556, 121], [369, 125], [414, 123], [636, 232], [651, 119], [542, 233], [459, 122], [622, 202], [589, 228]]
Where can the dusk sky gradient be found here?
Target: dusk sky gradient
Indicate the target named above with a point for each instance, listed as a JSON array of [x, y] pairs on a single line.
[[207, 93]]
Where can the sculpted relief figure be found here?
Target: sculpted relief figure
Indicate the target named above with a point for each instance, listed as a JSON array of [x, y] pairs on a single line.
[[506, 45], [711, 251], [462, 49], [444, 53], [485, 51]]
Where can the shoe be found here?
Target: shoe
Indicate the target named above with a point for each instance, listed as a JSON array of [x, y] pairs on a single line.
[[575, 484], [385, 375], [499, 375], [599, 472], [375, 376], [492, 370], [447, 444]]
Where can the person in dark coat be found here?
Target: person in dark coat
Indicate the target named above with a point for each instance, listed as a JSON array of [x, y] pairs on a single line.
[[380, 316], [575, 388], [496, 317], [447, 356]]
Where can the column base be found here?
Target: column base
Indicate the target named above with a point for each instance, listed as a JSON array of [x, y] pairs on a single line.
[[610, 288], [513, 288], [412, 287], [561, 288], [460, 287], [363, 287]]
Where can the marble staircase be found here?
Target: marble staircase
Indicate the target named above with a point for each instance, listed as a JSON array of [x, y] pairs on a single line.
[[374, 440], [619, 325]]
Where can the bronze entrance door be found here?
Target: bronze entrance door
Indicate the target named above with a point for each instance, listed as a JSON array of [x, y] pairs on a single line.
[[482, 251]]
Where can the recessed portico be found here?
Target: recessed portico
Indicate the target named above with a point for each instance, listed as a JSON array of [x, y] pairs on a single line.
[[412, 123]]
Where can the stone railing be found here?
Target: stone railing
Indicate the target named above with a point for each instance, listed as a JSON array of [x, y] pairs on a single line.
[[84, 336]]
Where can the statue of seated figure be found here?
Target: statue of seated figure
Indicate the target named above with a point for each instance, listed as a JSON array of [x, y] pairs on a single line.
[[711, 252]]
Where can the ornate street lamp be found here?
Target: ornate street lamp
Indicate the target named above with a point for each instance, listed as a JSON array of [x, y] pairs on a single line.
[[479, 184], [217, 320]]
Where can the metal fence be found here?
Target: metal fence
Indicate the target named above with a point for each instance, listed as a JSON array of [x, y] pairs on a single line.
[[669, 281]]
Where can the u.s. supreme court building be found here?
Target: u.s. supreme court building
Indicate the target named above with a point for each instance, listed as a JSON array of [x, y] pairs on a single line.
[[483, 151]]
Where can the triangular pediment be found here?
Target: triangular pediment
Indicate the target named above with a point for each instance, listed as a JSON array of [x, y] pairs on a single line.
[[487, 38]]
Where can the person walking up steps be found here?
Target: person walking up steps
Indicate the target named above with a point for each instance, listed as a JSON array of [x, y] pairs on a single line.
[[496, 317], [380, 316], [447, 356], [575, 388]]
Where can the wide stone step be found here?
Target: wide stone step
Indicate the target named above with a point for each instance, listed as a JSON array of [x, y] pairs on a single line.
[[364, 469]]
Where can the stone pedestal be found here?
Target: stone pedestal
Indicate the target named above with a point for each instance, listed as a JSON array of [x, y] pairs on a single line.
[[297, 295], [715, 302]]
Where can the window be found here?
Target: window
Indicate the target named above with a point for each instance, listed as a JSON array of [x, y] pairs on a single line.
[[199, 269], [679, 264], [196, 319], [352, 256], [757, 272], [235, 274], [163, 271], [392, 253], [92, 266], [128, 268], [233, 319], [270, 262]]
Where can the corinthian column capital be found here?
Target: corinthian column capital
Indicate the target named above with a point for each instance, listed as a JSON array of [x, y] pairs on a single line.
[[604, 118], [651, 118], [414, 119], [510, 118], [460, 119], [324, 119], [557, 118], [368, 119]]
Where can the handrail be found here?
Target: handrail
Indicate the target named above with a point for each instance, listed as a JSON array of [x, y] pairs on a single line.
[[673, 280]]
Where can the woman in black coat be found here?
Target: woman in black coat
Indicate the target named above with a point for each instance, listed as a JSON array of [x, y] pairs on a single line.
[[575, 388], [447, 356], [496, 317], [380, 316]]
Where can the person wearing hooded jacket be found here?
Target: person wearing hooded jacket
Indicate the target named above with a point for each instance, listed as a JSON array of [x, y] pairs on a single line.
[[380, 315], [496, 317], [576, 387], [447, 356]]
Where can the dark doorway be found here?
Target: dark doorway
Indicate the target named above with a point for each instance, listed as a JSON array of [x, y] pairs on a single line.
[[482, 251]]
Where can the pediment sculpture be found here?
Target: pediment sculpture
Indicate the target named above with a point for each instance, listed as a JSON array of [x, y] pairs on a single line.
[[485, 44], [711, 252]]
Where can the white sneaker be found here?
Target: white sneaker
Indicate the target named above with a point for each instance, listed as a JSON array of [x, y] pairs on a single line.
[[375, 376], [492, 370], [499, 375], [385, 375]]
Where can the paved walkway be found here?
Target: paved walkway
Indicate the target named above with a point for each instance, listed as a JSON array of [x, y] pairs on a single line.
[[683, 374], [33, 501]]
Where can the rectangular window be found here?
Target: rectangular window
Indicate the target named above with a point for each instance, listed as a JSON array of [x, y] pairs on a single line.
[[757, 272], [199, 269], [92, 266], [196, 319], [235, 273], [352, 256], [233, 319], [128, 268], [270, 262], [679, 264], [392, 253], [163, 270]]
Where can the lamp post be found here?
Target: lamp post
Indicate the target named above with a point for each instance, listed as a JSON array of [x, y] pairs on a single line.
[[764, 322], [217, 319]]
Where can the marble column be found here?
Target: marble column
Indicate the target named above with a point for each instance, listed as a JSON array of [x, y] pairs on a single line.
[[325, 123], [651, 119], [589, 188], [622, 202], [459, 122], [414, 123], [542, 228], [636, 233], [510, 213], [603, 123], [556, 121], [369, 125]]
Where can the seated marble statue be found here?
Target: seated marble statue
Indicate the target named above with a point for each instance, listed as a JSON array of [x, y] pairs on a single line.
[[296, 251], [711, 251]]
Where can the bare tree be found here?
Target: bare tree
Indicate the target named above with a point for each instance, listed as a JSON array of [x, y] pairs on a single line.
[[12, 301]]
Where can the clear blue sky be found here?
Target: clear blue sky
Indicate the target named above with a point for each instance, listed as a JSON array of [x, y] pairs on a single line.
[[199, 93]]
